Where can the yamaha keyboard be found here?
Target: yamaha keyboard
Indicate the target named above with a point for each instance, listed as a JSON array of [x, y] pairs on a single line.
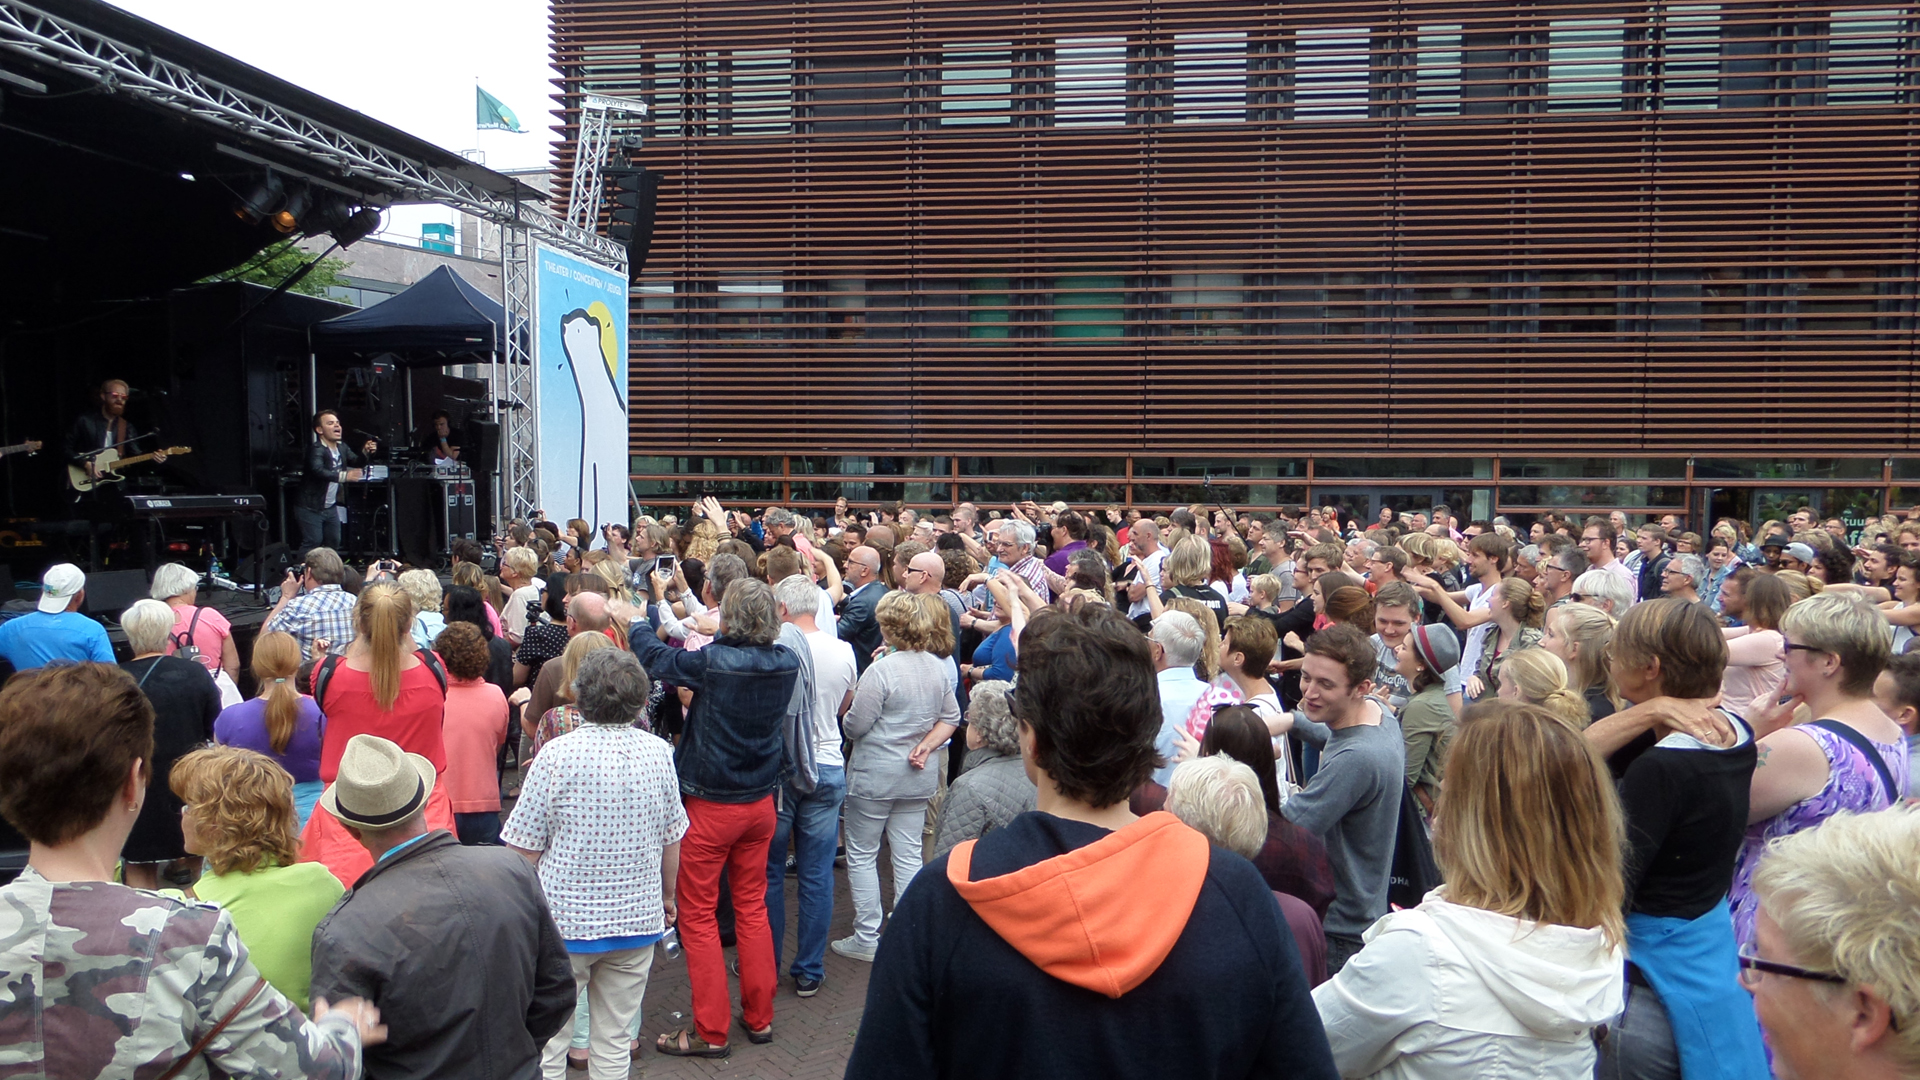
[[195, 505]]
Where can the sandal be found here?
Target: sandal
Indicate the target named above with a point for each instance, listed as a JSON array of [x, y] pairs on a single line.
[[687, 1044], [758, 1038]]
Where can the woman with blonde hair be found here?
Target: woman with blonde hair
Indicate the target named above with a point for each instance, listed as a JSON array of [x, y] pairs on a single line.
[[1207, 668], [1578, 635], [239, 816], [382, 686], [281, 722], [618, 587], [565, 716], [1509, 967], [1517, 609], [1537, 677], [469, 576], [1185, 574], [1754, 667], [903, 710], [423, 588]]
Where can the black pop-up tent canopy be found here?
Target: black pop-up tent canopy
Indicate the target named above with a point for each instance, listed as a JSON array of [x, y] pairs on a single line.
[[438, 317]]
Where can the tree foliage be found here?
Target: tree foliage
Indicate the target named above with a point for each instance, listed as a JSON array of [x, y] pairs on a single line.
[[272, 267]]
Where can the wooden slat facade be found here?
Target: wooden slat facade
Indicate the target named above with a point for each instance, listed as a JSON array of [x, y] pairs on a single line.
[[1200, 228]]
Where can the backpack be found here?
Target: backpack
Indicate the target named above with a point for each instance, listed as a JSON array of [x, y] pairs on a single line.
[[182, 643], [323, 674]]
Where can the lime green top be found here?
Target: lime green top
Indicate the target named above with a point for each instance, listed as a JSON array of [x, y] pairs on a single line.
[[275, 909]]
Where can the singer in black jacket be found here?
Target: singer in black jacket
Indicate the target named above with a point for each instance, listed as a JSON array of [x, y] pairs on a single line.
[[328, 465]]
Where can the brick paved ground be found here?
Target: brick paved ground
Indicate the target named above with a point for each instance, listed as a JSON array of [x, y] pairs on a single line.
[[812, 1036]]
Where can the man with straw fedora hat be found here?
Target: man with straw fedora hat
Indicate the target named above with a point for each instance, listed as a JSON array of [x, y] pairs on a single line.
[[454, 943]]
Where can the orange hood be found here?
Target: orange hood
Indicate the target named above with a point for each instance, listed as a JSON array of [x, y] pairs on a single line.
[[1102, 917]]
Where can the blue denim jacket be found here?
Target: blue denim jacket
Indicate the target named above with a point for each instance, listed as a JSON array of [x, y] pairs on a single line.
[[733, 751]]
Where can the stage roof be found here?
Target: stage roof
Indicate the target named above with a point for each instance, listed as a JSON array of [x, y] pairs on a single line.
[[107, 194]]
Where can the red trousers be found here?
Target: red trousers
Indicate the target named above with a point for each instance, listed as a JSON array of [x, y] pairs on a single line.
[[733, 835]]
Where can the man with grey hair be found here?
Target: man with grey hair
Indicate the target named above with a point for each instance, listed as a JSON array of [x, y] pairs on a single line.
[[1605, 590], [1557, 575], [858, 625], [1012, 543], [731, 761], [811, 818], [313, 607], [1683, 577], [1177, 642], [600, 818]]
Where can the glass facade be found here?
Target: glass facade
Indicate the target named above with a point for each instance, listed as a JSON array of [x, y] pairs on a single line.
[[1851, 488]]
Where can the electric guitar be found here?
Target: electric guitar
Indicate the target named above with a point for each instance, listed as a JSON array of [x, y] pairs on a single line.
[[106, 466], [29, 447]]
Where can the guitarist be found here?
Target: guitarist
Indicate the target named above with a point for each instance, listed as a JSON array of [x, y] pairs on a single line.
[[328, 465], [105, 429]]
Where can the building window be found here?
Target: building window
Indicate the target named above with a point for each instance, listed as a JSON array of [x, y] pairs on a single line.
[[976, 84], [1207, 305], [1582, 303], [1209, 78], [854, 94], [760, 92], [1436, 88], [751, 307], [1689, 54], [1586, 60], [1332, 66], [1090, 82], [1448, 303], [1864, 57], [988, 303], [1090, 306], [653, 301]]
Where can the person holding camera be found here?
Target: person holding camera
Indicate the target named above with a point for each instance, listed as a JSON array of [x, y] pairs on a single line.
[[312, 605]]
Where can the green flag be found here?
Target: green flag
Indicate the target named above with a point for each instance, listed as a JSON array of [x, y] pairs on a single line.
[[491, 112]]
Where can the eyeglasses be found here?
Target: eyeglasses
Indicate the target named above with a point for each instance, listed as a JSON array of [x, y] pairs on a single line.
[[1751, 968], [916, 570], [1789, 646], [1578, 598]]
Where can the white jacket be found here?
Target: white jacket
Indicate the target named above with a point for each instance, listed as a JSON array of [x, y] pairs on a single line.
[[1449, 991]]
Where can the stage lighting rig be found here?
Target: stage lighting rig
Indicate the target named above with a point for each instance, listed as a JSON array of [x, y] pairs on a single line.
[[263, 199], [293, 211]]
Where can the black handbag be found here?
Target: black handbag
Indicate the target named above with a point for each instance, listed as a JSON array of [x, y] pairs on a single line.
[[1414, 873]]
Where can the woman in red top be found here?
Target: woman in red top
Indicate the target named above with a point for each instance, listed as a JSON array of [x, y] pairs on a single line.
[[381, 687]]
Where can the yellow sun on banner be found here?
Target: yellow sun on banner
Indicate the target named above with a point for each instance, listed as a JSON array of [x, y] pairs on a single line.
[[609, 338]]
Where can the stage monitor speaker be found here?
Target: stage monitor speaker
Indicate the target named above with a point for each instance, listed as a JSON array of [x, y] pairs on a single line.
[[114, 591], [483, 453], [272, 562]]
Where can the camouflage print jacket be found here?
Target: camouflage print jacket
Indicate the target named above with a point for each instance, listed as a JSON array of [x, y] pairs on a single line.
[[99, 980]]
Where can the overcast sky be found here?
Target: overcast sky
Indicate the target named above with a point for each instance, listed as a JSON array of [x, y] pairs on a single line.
[[409, 63]]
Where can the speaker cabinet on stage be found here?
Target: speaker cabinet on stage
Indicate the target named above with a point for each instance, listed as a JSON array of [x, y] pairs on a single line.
[[483, 460]]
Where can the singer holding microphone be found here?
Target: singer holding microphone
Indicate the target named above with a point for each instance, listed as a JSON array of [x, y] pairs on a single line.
[[328, 465]]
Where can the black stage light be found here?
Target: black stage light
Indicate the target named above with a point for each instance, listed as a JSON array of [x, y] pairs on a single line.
[[330, 212], [358, 227], [262, 200], [287, 220]]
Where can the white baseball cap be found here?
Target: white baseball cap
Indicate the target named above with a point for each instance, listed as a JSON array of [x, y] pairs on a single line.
[[63, 581]]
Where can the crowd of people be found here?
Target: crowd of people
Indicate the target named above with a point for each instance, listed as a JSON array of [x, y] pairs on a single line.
[[1432, 797]]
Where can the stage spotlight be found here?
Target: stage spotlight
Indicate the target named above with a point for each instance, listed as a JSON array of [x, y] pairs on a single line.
[[330, 212], [264, 199], [358, 227], [287, 220]]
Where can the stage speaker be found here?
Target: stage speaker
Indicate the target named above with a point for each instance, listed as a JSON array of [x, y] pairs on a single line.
[[266, 567], [113, 591], [482, 455], [636, 196]]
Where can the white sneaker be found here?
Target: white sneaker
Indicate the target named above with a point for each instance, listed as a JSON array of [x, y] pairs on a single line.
[[853, 949]]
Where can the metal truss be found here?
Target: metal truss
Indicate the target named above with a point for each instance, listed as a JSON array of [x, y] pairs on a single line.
[[128, 69], [514, 388], [590, 155]]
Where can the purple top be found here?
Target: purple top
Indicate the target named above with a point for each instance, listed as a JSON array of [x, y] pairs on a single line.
[[245, 725], [1057, 562], [1852, 784]]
